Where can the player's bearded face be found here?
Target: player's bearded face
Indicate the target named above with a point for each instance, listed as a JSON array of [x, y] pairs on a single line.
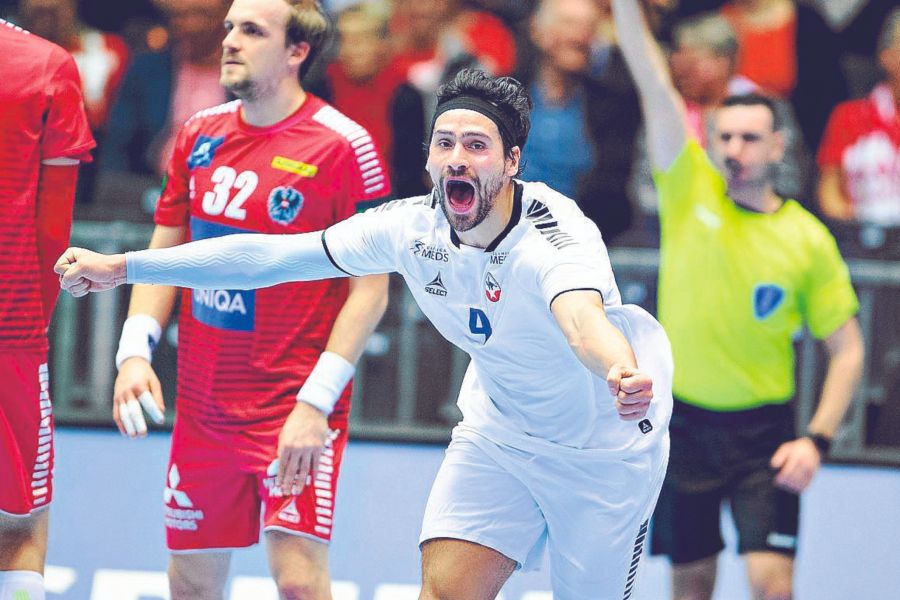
[[255, 53], [467, 166]]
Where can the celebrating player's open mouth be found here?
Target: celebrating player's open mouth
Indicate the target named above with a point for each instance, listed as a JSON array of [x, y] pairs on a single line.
[[466, 201], [460, 195]]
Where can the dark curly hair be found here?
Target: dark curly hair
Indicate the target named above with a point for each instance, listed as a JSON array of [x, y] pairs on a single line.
[[505, 93]]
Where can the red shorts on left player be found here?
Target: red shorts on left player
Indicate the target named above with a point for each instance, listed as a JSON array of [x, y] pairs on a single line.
[[26, 433], [216, 485]]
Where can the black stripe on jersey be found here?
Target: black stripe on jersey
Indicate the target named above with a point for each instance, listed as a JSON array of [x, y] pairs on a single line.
[[543, 221], [588, 289], [635, 559], [454, 237], [331, 258]]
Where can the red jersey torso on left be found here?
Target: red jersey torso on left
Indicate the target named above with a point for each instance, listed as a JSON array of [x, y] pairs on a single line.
[[243, 354], [41, 116]]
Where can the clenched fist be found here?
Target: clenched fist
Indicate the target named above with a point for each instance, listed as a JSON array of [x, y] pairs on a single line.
[[632, 389], [82, 271]]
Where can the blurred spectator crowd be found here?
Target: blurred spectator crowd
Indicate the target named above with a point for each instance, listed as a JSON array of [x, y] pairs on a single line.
[[833, 68]]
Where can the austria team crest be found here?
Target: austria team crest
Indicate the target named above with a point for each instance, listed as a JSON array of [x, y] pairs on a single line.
[[285, 203], [491, 288]]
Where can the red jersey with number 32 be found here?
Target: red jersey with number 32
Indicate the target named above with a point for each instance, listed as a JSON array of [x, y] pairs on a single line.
[[243, 354]]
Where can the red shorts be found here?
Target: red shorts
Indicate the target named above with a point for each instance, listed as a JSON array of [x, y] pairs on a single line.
[[26, 433], [216, 485]]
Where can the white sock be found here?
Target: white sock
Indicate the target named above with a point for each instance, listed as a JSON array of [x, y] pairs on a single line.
[[21, 585]]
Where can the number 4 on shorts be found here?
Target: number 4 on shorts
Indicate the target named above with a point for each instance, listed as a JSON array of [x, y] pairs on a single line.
[[479, 324]]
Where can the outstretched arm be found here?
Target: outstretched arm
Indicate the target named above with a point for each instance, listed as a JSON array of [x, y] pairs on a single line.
[[242, 261], [662, 106], [604, 350]]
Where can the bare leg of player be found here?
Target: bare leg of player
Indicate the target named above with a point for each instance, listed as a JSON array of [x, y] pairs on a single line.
[[770, 575], [694, 581], [23, 547], [299, 566], [23, 542], [199, 576], [459, 570]]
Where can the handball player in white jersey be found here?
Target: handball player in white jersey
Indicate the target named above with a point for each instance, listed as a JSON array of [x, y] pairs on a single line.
[[566, 403]]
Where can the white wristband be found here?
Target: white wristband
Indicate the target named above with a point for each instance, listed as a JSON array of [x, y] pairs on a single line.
[[326, 382], [140, 335]]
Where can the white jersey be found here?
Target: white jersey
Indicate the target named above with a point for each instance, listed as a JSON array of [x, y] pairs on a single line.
[[525, 387]]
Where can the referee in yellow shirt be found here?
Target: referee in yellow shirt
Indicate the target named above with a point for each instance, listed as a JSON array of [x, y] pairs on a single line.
[[741, 271]]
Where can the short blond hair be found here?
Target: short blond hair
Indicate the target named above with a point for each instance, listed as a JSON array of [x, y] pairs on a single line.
[[308, 23], [373, 12], [711, 31]]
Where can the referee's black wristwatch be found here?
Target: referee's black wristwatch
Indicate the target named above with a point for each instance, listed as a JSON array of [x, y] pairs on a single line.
[[822, 442]]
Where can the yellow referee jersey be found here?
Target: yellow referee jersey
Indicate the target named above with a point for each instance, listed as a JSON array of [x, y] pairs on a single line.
[[736, 286]]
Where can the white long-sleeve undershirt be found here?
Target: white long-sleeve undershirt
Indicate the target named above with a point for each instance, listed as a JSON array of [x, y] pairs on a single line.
[[239, 262]]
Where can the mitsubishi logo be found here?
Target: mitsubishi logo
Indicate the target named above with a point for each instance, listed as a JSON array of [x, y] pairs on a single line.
[[172, 493]]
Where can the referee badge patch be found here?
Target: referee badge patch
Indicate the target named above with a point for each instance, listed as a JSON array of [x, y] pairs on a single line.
[[767, 297]]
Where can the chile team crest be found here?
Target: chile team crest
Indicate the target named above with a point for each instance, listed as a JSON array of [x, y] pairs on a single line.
[[285, 203], [491, 288]]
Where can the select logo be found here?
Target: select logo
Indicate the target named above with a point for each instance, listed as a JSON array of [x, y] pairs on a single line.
[[435, 287]]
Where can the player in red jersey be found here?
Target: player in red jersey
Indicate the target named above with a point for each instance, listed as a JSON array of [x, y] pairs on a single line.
[[44, 134], [278, 160]]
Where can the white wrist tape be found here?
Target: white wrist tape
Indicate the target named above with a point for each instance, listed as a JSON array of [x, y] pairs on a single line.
[[326, 382], [140, 335]]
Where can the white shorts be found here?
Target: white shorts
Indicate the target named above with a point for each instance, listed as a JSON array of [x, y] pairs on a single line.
[[591, 513]]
